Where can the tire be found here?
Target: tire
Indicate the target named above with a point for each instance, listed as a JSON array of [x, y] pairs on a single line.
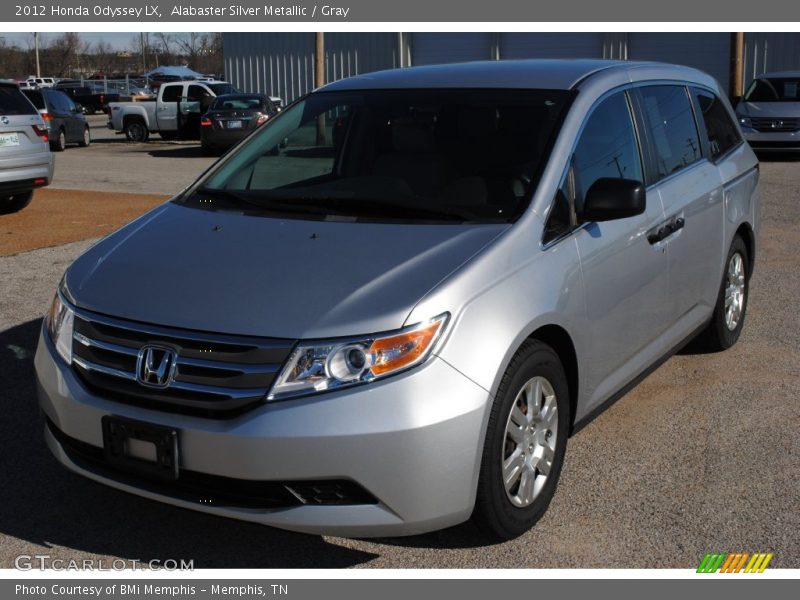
[[136, 131], [505, 512], [727, 321], [87, 138], [60, 143], [14, 203]]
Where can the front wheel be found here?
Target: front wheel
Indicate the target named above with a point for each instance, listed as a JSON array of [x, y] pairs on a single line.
[[526, 440], [728, 318]]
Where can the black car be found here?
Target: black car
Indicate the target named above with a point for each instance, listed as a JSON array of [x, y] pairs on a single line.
[[64, 119], [84, 96], [232, 117]]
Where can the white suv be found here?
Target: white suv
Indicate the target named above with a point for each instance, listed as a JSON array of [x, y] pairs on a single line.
[[25, 159]]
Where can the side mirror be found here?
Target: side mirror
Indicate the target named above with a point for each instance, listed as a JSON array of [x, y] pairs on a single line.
[[610, 198]]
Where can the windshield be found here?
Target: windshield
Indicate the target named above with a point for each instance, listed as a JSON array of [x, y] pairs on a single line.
[[452, 155], [238, 103], [774, 89]]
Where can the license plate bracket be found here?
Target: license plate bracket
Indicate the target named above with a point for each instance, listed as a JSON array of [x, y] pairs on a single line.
[[119, 436]]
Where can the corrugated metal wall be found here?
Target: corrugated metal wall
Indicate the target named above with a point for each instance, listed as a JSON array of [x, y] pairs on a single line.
[[709, 52], [429, 48], [770, 52], [282, 64], [551, 45]]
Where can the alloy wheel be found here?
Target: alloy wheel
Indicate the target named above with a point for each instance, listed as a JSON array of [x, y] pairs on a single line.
[[530, 441]]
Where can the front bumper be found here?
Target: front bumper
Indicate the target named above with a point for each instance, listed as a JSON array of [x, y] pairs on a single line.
[[786, 141], [413, 441]]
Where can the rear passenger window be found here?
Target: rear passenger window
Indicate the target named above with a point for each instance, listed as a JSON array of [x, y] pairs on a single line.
[[669, 118], [607, 148], [720, 129]]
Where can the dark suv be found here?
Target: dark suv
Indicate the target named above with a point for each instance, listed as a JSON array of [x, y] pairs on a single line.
[[64, 119]]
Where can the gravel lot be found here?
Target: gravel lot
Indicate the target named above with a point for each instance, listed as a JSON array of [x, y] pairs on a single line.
[[704, 455], [117, 165]]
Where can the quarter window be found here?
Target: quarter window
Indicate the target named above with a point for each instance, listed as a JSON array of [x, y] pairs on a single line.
[[720, 130], [669, 118]]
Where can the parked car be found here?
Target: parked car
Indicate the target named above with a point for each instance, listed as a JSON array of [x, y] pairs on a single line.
[[175, 112], [769, 112], [65, 121], [387, 309], [83, 95], [41, 82], [25, 159], [232, 117]]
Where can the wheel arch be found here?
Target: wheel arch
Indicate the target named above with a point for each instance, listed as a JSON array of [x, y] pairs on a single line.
[[745, 231], [561, 342]]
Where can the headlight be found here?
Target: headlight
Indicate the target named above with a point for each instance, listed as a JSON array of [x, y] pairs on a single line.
[[320, 366], [745, 122], [59, 326]]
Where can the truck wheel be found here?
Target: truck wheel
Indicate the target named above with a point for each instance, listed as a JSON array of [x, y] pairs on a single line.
[[526, 440], [87, 137], [60, 143], [10, 204], [136, 131]]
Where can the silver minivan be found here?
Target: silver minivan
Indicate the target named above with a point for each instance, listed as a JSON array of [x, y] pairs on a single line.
[[769, 112], [387, 309], [25, 159]]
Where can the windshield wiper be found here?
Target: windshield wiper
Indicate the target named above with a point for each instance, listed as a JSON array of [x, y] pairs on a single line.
[[356, 207]]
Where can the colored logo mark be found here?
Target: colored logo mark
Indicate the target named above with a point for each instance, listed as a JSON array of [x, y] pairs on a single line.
[[740, 562]]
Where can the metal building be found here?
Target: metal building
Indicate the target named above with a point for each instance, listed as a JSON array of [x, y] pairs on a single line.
[[282, 64]]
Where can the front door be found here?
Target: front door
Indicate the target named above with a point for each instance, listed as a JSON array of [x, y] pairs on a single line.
[[625, 277]]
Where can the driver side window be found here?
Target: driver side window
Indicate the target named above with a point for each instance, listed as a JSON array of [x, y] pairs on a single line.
[[607, 148]]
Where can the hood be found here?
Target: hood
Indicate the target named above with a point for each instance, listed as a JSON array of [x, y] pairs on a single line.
[[226, 272], [768, 109]]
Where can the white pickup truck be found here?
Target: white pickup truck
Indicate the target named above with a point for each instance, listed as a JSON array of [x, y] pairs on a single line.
[[175, 112]]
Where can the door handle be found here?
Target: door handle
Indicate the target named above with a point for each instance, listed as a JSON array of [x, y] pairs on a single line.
[[665, 230]]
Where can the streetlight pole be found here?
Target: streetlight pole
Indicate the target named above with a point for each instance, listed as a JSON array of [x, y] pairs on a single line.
[[36, 45]]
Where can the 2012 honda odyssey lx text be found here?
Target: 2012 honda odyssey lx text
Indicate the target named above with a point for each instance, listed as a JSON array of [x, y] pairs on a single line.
[[386, 310]]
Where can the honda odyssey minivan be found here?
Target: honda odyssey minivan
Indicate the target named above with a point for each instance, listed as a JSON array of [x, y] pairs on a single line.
[[386, 310]]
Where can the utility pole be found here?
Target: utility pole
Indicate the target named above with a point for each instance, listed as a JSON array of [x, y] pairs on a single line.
[[36, 45], [319, 81], [737, 66], [144, 52]]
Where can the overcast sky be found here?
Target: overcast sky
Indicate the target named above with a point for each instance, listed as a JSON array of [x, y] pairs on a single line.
[[118, 40]]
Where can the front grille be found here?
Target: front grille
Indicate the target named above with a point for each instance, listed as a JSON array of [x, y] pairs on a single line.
[[217, 490], [767, 124], [215, 376]]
